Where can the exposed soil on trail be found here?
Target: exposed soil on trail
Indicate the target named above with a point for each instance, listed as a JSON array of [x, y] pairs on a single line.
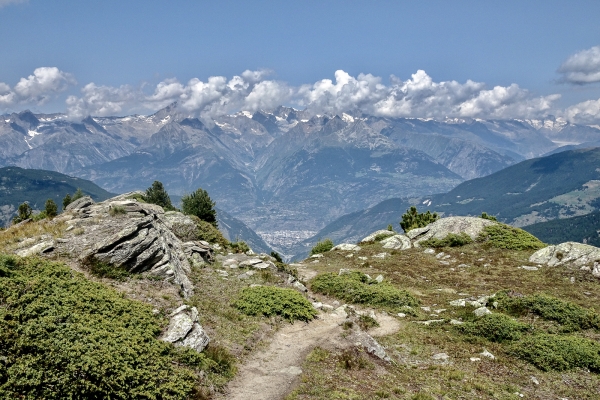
[[272, 372]]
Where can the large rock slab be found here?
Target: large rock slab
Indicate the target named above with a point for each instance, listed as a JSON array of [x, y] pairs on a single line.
[[439, 229], [577, 254], [373, 235], [346, 247], [396, 242]]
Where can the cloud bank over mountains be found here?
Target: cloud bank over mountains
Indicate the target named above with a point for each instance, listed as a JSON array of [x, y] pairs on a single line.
[[418, 96]]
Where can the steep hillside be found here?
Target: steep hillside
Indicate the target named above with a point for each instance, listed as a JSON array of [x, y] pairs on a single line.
[[554, 187], [18, 185], [582, 229]]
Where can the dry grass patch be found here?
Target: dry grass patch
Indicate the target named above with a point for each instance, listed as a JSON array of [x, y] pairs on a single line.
[[15, 236]]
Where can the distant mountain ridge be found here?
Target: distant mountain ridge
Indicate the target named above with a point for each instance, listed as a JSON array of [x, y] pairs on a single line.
[[281, 169]]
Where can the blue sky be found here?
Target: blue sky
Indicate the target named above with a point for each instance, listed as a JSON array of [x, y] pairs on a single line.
[[127, 48]]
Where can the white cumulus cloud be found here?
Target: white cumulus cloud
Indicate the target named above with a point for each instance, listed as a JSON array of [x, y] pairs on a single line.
[[102, 101], [582, 67], [587, 112], [44, 81]]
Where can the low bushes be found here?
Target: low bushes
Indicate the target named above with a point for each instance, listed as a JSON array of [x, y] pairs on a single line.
[[356, 287], [273, 301], [559, 353], [570, 316], [494, 327], [322, 246], [451, 240], [503, 236], [63, 337]]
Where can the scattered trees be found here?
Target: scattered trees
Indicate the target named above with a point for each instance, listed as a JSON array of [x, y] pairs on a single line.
[[200, 204], [51, 208], [68, 199], [413, 219], [24, 212]]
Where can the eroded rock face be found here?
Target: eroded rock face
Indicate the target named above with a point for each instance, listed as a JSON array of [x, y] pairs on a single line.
[[126, 233], [184, 329], [577, 254], [439, 229]]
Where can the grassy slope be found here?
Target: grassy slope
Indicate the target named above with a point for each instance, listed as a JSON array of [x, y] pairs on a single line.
[[333, 373]]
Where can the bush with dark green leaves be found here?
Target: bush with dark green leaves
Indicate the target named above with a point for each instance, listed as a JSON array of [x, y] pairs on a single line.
[[200, 204], [485, 215], [503, 236], [494, 327], [356, 287], [272, 301], [322, 246], [412, 219], [50, 208], [570, 316], [451, 240], [156, 194], [558, 352], [23, 213], [64, 337], [239, 246]]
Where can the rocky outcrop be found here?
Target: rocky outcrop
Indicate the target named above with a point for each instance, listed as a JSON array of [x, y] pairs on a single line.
[[380, 233], [396, 242], [126, 233], [346, 247], [184, 329], [577, 254], [439, 229]]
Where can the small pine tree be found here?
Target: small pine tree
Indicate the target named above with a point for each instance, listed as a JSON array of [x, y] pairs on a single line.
[[200, 204], [77, 195], [66, 201], [156, 194], [24, 212], [390, 228], [51, 208], [413, 219]]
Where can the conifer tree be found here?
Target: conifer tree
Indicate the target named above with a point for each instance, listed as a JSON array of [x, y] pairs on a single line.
[[156, 194]]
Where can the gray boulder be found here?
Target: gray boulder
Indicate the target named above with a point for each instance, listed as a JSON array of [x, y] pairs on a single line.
[[396, 242], [346, 247], [577, 254], [184, 329], [439, 229], [80, 203]]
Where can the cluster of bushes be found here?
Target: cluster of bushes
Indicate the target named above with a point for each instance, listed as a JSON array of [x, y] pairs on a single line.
[[273, 301], [356, 287], [570, 316], [64, 336], [547, 351]]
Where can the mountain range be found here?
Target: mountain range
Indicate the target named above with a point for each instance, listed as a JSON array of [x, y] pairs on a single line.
[[281, 170]]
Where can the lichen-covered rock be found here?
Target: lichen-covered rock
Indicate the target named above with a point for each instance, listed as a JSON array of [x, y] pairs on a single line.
[[578, 254], [346, 247], [184, 329], [370, 345], [396, 242], [439, 229], [375, 234]]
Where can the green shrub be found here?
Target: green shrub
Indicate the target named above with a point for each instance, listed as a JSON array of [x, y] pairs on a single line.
[[485, 215], [239, 246], [413, 219], [105, 270], [322, 246], [559, 353], [367, 322], [276, 256], [356, 287], [451, 240], [502, 236], [571, 316], [208, 232], [23, 213], [39, 216], [271, 301], [494, 327], [65, 337]]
